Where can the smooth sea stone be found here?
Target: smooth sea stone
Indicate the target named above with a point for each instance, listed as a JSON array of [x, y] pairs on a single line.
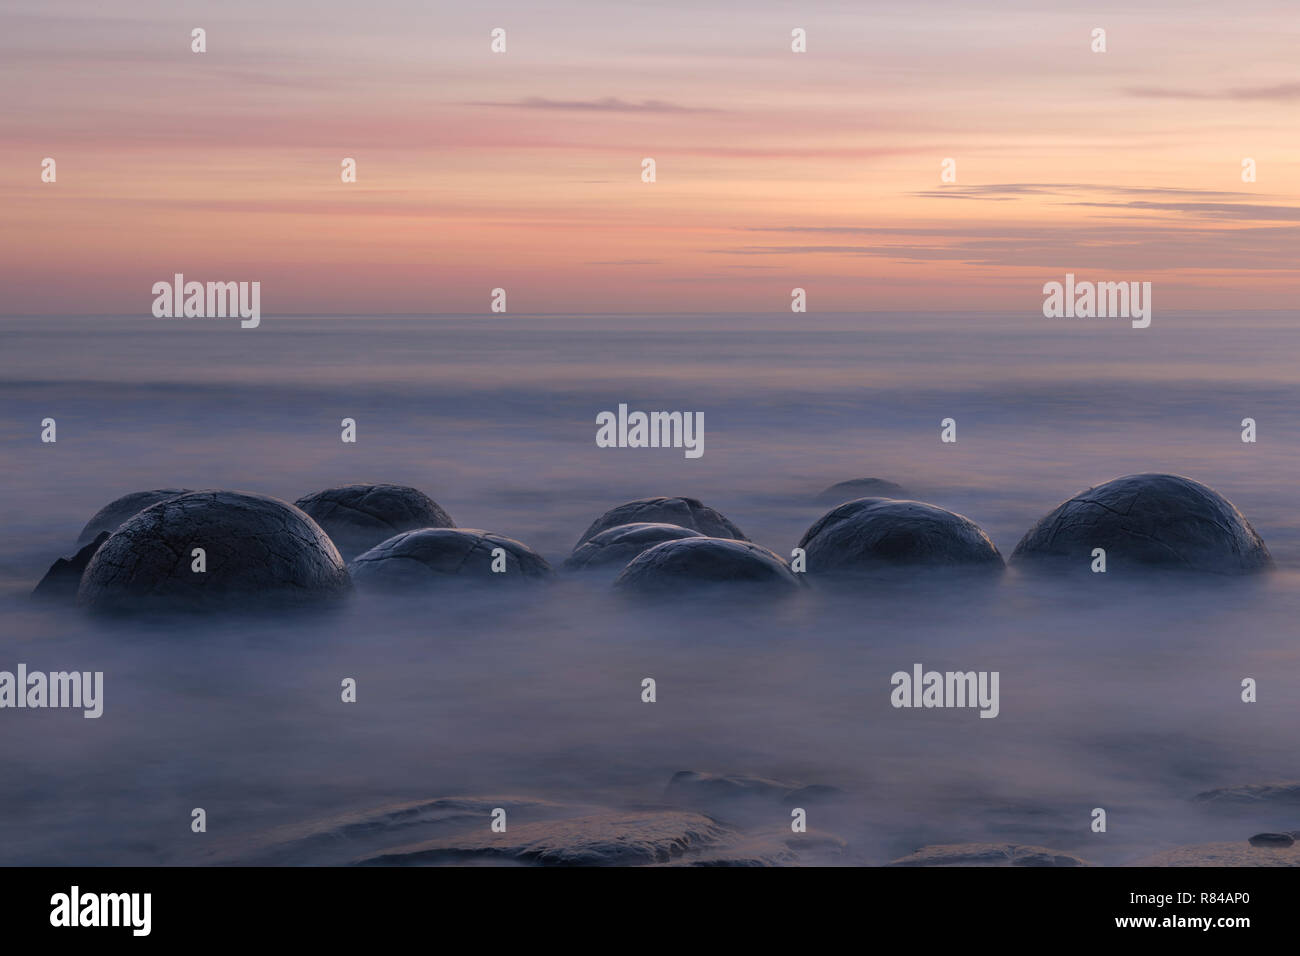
[[1163, 521], [987, 854], [111, 517], [622, 543], [873, 533], [861, 488], [684, 512], [359, 517], [1272, 839], [64, 577], [260, 551], [432, 556], [706, 561]]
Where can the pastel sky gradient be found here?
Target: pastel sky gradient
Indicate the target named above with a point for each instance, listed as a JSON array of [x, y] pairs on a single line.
[[522, 170]]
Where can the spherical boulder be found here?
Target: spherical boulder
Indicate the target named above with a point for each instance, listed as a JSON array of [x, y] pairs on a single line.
[[110, 517], [685, 512], [618, 545], [257, 551], [433, 556], [687, 562], [1152, 521], [358, 517], [875, 533], [861, 488]]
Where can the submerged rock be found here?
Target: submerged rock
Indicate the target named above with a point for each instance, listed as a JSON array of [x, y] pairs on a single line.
[[1152, 520], [603, 838], [64, 576], [861, 488], [872, 533], [359, 517], [417, 559], [1248, 797], [711, 790], [111, 517], [685, 512], [674, 565], [987, 854], [456, 831], [620, 544], [258, 551]]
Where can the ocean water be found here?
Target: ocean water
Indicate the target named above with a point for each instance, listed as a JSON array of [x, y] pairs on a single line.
[[1115, 693]]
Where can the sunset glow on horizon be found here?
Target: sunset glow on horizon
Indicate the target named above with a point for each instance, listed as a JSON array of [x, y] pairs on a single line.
[[522, 170]]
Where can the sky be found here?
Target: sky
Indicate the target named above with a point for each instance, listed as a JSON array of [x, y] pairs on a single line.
[[522, 170]]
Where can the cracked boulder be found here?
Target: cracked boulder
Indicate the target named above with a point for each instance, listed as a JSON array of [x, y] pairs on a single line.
[[111, 517], [690, 562], [359, 517], [861, 488], [434, 556], [618, 545], [684, 512], [873, 533], [257, 551], [1146, 521]]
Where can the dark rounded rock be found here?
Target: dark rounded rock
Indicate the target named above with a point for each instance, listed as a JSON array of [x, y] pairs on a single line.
[[258, 551], [684, 512], [1272, 839], [873, 533], [861, 488], [430, 556], [699, 561], [64, 577], [111, 517], [620, 544], [359, 517], [1163, 521]]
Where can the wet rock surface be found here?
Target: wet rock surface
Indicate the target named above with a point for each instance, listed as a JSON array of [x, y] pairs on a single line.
[[432, 556], [874, 533], [259, 551], [110, 517], [604, 838], [861, 488], [1236, 853], [359, 517], [674, 565], [615, 547], [987, 854], [1149, 520], [685, 512], [64, 577], [457, 831]]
